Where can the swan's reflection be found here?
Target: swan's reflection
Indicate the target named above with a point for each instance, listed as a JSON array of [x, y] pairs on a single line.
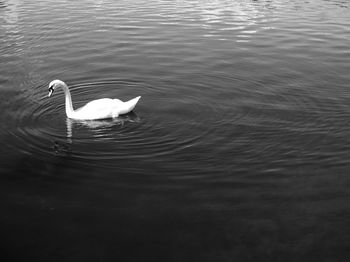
[[101, 129], [99, 126]]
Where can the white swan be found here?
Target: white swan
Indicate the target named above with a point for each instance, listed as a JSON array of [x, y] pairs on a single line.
[[97, 109]]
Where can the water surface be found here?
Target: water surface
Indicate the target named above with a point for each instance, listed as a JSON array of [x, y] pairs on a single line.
[[237, 151]]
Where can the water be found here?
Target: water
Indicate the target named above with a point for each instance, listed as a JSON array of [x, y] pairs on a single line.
[[237, 151]]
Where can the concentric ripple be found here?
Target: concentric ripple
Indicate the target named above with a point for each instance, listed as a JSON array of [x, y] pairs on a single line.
[[217, 79], [172, 124], [167, 124]]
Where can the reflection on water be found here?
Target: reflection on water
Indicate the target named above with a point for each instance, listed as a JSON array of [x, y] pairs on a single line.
[[239, 150], [242, 17], [10, 13], [95, 130], [100, 128]]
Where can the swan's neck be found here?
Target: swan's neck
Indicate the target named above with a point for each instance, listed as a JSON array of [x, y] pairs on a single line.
[[69, 105]]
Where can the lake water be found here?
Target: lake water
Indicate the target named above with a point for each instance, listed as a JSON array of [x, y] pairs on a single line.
[[238, 150]]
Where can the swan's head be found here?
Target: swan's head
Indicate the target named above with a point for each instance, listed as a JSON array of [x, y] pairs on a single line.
[[55, 84]]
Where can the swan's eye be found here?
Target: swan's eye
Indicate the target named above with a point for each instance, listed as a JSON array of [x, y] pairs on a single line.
[[50, 90]]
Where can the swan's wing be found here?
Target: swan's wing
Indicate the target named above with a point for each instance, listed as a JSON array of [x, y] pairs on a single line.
[[96, 109], [105, 108], [103, 103]]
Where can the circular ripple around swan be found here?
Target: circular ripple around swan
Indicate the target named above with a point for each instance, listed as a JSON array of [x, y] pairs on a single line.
[[168, 121], [159, 129], [43, 129]]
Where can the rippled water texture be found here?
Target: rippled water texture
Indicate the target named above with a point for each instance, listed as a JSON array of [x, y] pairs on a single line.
[[237, 151]]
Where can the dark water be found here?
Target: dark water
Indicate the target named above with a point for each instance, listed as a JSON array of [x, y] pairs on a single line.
[[238, 150]]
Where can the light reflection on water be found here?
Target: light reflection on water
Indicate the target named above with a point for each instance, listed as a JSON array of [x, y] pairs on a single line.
[[237, 151]]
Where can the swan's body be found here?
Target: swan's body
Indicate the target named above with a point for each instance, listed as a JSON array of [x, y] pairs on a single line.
[[96, 109]]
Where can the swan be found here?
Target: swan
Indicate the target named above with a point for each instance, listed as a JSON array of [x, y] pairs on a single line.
[[97, 109]]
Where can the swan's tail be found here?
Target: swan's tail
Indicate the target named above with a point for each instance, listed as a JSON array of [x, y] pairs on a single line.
[[130, 105]]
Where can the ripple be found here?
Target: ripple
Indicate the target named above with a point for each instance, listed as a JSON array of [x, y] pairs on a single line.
[[198, 95], [171, 121], [43, 129]]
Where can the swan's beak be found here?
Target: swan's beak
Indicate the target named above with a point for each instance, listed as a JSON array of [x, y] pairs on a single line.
[[50, 92]]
